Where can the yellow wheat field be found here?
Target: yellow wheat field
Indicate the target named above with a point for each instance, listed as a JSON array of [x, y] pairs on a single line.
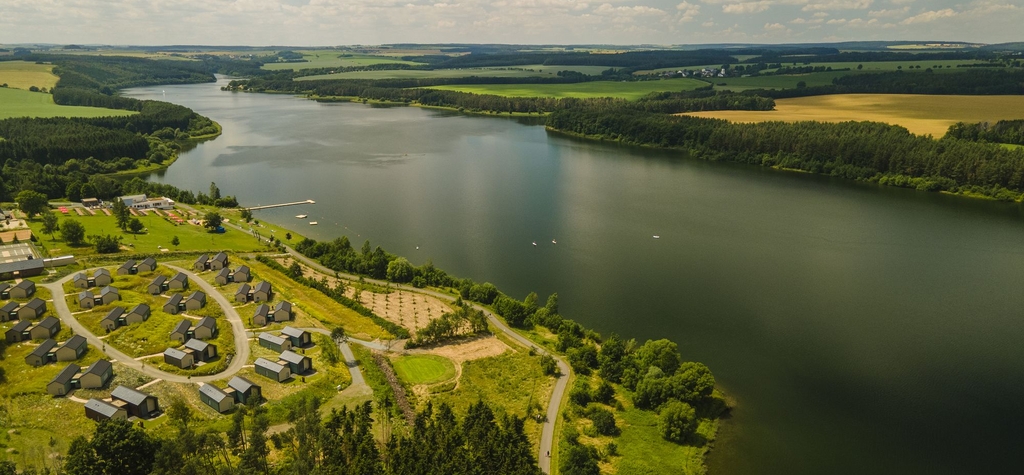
[[921, 114]]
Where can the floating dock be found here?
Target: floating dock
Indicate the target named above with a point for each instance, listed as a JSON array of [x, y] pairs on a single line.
[[281, 205]]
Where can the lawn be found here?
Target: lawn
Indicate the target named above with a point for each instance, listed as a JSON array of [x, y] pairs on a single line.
[[626, 90], [423, 369], [787, 81], [23, 75], [645, 452], [532, 70], [22, 103], [921, 114], [333, 59], [158, 235]]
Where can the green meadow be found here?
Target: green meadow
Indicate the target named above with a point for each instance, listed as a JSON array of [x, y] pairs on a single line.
[[22, 103], [630, 90], [333, 59], [424, 369]]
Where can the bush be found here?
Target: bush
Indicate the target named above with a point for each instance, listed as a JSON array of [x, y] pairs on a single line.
[[605, 393], [604, 421], [678, 421], [579, 460], [107, 244], [582, 359], [549, 365], [580, 395]]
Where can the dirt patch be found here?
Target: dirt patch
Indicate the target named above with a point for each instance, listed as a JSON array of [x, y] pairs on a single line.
[[477, 348]]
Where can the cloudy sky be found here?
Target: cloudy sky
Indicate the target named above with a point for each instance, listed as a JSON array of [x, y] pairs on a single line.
[[341, 22]]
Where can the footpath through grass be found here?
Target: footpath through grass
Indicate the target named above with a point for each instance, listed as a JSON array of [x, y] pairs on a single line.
[[22, 103], [630, 90]]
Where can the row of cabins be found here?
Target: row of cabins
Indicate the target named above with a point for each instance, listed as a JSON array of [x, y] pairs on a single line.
[[205, 262], [100, 278], [32, 310], [290, 338], [87, 299], [130, 267], [194, 351], [282, 312], [50, 352], [124, 402], [96, 376], [24, 330], [21, 290], [262, 292], [205, 329], [239, 391], [227, 276], [289, 363], [162, 284], [119, 317], [180, 303]]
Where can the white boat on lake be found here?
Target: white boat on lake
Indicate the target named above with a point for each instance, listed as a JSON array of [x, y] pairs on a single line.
[[300, 216], [312, 223]]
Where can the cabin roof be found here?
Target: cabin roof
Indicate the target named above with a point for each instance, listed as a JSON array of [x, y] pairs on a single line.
[[21, 326], [243, 289], [292, 357], [179, 277], [99, 367], [283, 305], [49, 322], [262, 287], [293, 332], [271, 338], [182, 327], [25, 284], [44, 348], [175, 299], [128, 264], [159, 280], [149, 261], [114, 313], [67, 374], [100, 271], [175, 353], [36, 303], [74, 342], [109, 290], [265, 363], [208, 322], [129, 395], [140, 309], [102, 407], [86, 295], [213, 392], [198, 295], [262, 310], [196, 344], [240, 384], [9, 307], [221, 256], [244, 269]]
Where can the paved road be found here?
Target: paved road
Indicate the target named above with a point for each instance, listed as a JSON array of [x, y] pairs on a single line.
[[350, 359], [547, 436], [237, 329]]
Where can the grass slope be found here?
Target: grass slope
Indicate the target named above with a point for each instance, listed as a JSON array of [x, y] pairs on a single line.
[[424, 369], [23, 75], [921, 114], [22, 103], [334, 59], [625, 90]]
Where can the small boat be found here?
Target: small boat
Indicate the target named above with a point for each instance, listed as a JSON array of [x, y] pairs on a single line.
[[312, 223], [657, 236], [554, 242], [417, 248], [534, 243], [301, 216]]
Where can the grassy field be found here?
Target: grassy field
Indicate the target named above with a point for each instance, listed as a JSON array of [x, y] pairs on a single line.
[[423, 369], [22, 103], [532, 70], [626, 90], [23, 75], [158, 235], [788, 81], [334, 59], [921, 114]]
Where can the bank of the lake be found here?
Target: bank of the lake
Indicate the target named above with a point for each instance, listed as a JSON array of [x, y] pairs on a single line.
[[859, 328]]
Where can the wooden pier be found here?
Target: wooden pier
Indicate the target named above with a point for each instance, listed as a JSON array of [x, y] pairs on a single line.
[[281, 205]]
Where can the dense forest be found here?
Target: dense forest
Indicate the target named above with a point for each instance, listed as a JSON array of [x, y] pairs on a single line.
[[1004, 131]]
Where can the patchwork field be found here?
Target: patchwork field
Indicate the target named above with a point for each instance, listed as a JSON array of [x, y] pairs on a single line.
[[626, 90], [334, 59], [23, 75], [921, 114], [532, 70], [22, 103]]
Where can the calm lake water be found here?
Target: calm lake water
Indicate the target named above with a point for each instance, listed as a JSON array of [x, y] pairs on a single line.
[[859, 329]]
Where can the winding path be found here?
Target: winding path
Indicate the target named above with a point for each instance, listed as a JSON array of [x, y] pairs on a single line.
[[237, 329]]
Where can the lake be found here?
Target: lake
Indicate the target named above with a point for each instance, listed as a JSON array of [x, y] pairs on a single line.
[[858, 329]]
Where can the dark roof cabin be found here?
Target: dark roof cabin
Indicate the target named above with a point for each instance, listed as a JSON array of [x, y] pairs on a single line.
[[298, 364], [242, 294], [205, 329], [34, 309], [108, 295], [173, 305], [147, 265], [46, 328], [201, 263], [282, 311], [299, 338], [19, 332], [101, 278], [97, 375], [61, 384], [41, 354], [245, 390], [218, 262], [113, 319], [216, 398], [178, 282], [201, 350], [223, 277], [5, 289], [86, 299], [9, 311], [81, 281], [262, 292], [181, 331], [158, 285], [196, 300], [241, 274], [138, 314], [22, 290], [137, 403], [262, 315], [128, 268], [176, 357], [72, 349], [100, 411]]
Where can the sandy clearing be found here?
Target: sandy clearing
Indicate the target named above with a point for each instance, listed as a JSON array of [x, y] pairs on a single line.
[[473, 349], [921, 114]]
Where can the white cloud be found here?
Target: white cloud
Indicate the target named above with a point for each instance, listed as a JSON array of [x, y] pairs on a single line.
[[888, 13], [929, 16], [836, 21], [746, 7], [804, 21], [838, 5], [687, 11], [820, 14]]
